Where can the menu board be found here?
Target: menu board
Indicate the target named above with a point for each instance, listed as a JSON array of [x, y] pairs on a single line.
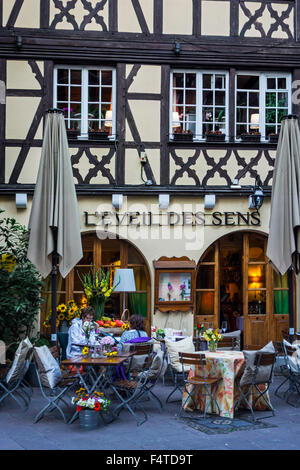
[[174, 287]]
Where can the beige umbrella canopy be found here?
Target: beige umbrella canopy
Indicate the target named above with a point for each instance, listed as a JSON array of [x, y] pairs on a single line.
[[54, 219], [284, 237]]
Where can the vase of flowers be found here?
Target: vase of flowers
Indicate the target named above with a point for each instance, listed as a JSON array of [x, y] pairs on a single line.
[[212, 337], [89, 407], [107, 344], [65, 313], [96, 286]]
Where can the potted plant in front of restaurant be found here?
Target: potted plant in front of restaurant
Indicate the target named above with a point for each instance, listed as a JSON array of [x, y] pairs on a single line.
[[89, 407], [183, 136], [212, 337], [72, 133]]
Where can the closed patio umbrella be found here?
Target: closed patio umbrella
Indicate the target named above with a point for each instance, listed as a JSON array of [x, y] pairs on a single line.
[[54, 218], [284, 238]]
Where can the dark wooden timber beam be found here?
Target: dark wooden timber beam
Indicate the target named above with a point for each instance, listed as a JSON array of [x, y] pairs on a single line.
[[142, 190]]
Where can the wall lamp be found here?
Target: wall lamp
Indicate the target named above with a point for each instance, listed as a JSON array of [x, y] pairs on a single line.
[[117, 201], [177, 48], [19, 42], [209, 201], [21, 200], [256, 199], [163, 201]]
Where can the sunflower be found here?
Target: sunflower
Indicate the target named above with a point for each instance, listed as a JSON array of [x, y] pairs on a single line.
[[57, 323], [85, 351], [62, 308], [60, 317]]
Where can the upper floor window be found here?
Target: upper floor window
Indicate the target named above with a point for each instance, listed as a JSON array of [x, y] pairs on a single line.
[[87, 97], [199, 103], [262, 99]]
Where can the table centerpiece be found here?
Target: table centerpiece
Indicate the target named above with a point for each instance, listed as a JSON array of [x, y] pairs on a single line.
[[212, 337]]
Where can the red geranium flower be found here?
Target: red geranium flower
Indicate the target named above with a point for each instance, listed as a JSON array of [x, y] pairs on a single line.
[[97, 406], [78, 408]]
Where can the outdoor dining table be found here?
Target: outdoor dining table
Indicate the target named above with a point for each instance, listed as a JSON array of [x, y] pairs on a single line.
[[99, 372], [229, 366]]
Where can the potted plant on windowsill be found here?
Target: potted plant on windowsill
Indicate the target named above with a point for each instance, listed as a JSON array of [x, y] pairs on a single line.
[[214, 136], [183, 136], [251, 137], [98, 134], [72, 133], [273, 138]]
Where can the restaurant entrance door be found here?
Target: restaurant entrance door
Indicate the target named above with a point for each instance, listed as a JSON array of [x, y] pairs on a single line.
[[237, 288]]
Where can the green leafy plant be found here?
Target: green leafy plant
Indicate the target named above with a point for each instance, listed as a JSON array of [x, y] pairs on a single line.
[[20, 293]]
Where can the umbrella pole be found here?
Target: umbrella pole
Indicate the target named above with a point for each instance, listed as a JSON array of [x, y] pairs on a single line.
[[291, 302], [54, 288]]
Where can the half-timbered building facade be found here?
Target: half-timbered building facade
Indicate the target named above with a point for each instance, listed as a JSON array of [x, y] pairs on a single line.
[[172, 109]]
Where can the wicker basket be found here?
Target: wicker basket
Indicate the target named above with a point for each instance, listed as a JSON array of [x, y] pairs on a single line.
[[125, 315], [116, 331]]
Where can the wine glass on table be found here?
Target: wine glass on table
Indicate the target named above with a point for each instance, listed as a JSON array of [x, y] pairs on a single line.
[[224, 326]]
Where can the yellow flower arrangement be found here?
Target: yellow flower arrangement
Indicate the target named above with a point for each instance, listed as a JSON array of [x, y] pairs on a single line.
[[8, 262], [213, 336]]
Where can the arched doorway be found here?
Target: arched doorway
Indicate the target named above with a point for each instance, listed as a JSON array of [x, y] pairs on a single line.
[[112, 254], [235, 283]]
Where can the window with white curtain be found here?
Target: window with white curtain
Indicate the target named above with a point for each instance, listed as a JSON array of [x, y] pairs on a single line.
[[199, 103], [87, 97]]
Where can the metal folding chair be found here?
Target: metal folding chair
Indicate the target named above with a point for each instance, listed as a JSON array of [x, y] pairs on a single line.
[[17, 387], [261, 360], [54, 395], [293, 370], [130, 392], [209, 384], [282, 366]]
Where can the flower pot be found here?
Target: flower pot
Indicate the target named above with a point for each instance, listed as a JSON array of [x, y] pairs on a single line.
[[273, 138], [183, 137], [72, 134], [95, 135], [88, 419], [215, 137], [250, 137], [212, 346]]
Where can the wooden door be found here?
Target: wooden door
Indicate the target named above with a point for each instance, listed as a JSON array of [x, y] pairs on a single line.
[[257, 287], [280, 304], [207, 288]]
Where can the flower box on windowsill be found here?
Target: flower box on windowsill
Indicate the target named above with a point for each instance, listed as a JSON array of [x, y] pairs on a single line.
[[251, 137], [72, 134], [273, 138], [214, 137], [98, 135], [180, 137]]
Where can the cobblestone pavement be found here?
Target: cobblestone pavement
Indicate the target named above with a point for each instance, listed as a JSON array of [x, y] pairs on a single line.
[[162, 431]]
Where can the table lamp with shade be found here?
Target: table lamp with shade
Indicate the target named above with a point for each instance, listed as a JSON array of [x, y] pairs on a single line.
[[124, 282]]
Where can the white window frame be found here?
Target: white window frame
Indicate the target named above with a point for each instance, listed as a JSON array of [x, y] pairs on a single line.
[[263, 77], [84, 95], [199, 106]]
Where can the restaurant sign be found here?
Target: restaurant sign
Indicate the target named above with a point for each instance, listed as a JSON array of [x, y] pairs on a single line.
[[163, 219]]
